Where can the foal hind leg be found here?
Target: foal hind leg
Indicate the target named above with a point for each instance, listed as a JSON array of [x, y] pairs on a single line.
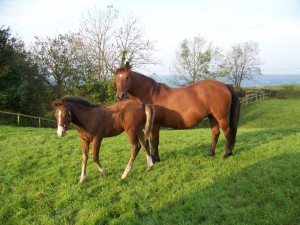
[[226, 130], [96, 150], [145, 142], [155, 142], [85, 154], [136, 146], [215, 134]]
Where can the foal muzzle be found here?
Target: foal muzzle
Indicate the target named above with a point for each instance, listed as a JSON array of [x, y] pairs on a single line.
[[61, 130]]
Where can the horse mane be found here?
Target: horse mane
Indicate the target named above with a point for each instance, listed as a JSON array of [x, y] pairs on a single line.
[[156, 85], [79, 100]]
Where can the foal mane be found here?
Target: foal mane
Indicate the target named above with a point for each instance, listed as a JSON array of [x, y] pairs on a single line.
[[78, 100]]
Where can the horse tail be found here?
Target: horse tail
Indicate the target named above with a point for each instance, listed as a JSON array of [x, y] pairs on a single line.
[[234, 115], [149, 110]]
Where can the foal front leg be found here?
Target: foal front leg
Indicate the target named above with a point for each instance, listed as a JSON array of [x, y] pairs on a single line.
[[85, 154], [136, 146]]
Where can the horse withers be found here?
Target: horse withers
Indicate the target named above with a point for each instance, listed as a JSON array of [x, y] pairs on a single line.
[[184, 107], [94, 122]]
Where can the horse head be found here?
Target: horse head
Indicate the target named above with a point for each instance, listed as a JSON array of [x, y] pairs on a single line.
[[123, 81], [63, 116]]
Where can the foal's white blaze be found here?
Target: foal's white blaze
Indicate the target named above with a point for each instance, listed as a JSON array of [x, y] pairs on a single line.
[[121, 75], [60, 129]]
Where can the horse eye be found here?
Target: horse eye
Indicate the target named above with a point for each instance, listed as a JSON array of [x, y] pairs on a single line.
[[126, 78]]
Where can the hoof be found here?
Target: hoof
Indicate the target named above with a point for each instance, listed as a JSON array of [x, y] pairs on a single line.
[[227, 155], [211, 154], [155, 159], [149, 168], [81, 180]]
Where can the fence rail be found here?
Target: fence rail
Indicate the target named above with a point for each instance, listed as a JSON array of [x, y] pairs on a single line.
[[254, 97], [19, 119]]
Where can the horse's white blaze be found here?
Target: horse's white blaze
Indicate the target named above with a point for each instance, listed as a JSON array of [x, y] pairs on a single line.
[[121, 75]]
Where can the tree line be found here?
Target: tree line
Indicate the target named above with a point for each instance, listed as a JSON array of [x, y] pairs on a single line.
[[80, 63]]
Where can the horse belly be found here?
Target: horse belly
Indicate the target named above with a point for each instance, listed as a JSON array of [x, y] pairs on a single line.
[[183, 121]]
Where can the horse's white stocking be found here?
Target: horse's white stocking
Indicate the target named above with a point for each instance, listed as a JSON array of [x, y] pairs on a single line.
[[149, 162], [83, 168], [126, 171]]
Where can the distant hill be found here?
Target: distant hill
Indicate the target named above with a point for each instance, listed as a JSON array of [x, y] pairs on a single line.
[[263, 80]]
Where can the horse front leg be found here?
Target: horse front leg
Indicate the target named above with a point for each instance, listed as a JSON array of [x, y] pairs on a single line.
[[85, 154], [154, 138], [136, 146], [145, 142], [96, 150]]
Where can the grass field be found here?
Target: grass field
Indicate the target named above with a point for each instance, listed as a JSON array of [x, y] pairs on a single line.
[[259, 184]]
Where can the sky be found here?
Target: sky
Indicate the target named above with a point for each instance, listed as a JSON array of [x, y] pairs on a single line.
[[274, 24]]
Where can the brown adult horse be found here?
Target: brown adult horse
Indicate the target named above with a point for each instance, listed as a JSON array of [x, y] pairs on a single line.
[[95, 122], [187, 106]]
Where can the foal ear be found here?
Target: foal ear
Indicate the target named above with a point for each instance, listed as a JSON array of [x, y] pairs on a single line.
[[127, 66], [56, 103]]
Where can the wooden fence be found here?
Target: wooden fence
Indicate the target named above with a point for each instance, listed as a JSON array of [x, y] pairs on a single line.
[[254, 97], [18, 119]]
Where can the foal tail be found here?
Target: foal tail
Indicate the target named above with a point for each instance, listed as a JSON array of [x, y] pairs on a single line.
[[234, 115], [149, 110]]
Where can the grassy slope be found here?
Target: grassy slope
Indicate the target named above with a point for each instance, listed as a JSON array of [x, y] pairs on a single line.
[[39, 175]]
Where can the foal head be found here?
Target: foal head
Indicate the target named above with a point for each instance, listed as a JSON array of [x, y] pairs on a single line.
[[123, 81], [63, 116]]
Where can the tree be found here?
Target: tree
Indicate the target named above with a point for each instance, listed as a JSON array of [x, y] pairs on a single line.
[[131, 45], [96, 33], [110, 42], [242, 62], [22, 88], [195, 60], [60, 60]]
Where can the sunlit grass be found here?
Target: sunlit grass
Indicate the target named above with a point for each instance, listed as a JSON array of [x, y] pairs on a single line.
[[259, 184]]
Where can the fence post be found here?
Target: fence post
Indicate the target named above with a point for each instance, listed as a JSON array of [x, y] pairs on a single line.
[[39, 121], [18, 118]]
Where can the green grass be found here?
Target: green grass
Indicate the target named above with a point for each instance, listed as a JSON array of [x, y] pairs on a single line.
[[39, 174]]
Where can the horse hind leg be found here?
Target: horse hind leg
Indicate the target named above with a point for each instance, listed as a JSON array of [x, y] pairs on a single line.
[[229, 142], [215, 134], [154, 138], [145, 142]]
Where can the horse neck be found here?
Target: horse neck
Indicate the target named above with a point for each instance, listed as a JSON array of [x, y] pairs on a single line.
[[141, 88]]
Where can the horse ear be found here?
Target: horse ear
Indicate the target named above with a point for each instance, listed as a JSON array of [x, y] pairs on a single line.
[[127, 66]]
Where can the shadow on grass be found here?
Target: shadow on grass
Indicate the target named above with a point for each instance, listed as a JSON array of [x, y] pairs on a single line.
[[264, 193], [251, 139]]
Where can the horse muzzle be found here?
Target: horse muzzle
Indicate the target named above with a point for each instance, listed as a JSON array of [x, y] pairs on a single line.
[[121, 97]]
